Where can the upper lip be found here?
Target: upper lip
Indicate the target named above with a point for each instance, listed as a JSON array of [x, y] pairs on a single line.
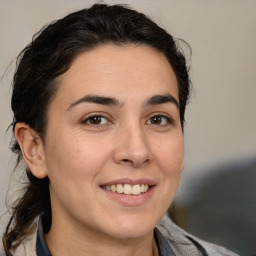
[[141, 181]]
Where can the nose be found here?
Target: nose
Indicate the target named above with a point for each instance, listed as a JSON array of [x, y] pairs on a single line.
[[132, 147]]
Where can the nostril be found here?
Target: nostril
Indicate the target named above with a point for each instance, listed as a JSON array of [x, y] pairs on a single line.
[[127, 161]]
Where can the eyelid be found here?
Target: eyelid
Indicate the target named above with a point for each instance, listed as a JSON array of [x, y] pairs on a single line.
[[170, 120], [85, 118]]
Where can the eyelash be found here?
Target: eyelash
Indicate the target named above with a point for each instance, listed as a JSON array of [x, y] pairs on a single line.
[[89, 119], [168, 120]]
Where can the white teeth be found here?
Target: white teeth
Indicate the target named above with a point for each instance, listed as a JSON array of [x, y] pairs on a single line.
[[136, 189], [128, 189], [119, 189], [113, 188]]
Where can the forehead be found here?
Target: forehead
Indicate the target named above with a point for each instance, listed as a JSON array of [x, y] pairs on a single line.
[[122, 70]]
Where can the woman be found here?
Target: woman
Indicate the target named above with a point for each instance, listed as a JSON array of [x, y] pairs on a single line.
[[99, 99]]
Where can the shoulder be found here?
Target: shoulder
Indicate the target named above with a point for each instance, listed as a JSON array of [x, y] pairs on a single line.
[[184, 243]]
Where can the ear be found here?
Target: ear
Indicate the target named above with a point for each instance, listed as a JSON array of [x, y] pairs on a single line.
[[32, 149]]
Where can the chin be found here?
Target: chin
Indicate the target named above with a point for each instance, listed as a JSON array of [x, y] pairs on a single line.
[[132, 233], [131, 227]]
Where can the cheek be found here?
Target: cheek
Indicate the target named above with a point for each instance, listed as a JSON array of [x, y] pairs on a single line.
[[170, 156], [73, 166], [75, 158]]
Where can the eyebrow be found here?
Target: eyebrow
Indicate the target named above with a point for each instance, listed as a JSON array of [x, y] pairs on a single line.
[[96, 99], [161, 99], [109, 101]]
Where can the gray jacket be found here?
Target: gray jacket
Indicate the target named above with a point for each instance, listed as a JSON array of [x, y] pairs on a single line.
[[184, 243], [180, 241]]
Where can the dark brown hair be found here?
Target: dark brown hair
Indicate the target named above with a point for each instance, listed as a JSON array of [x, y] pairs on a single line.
[[49, 55]]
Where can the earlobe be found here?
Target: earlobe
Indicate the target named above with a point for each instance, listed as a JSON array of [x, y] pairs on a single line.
[[32, 149]]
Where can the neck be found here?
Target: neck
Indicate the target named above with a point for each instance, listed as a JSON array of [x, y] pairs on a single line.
[[68, 240]]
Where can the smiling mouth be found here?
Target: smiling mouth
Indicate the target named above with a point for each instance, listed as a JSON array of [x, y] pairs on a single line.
[[127, 189]]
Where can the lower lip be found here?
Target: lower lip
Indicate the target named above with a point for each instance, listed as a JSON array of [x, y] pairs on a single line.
[[131, 200]]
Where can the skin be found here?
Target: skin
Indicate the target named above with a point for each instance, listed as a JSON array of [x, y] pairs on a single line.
[[132, 139]]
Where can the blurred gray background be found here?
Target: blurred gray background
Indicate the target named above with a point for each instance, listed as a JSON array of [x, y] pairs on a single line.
[[217, 197]]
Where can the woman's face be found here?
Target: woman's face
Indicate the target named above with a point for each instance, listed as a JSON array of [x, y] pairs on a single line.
[[114, 125]]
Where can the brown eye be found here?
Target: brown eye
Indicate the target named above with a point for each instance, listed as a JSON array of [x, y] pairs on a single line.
[[156, 120], [96, 120], [159, 120]]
